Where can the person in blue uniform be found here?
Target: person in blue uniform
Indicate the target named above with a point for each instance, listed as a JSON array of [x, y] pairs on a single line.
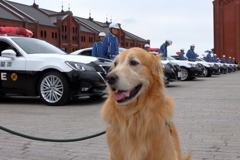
[[181, 55], [163, 48], [215, 58], [147, 47], [229, 60], [110, 42], [233, 61], [191, 55], [97, 46], [208, 57], [223, 60]]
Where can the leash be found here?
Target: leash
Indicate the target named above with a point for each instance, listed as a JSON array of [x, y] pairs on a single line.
[[50, 140]]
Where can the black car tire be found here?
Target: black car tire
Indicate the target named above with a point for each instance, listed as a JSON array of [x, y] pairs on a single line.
[[205, 72], [53, 89], [185, 73], [209, 74]]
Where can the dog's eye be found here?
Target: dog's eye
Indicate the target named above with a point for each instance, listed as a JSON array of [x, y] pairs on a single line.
[[115, 64], [133, 63]]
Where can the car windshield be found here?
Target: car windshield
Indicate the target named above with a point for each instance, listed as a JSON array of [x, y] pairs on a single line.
[[170, 58], [122, 49], [200, 59], [35, 46]]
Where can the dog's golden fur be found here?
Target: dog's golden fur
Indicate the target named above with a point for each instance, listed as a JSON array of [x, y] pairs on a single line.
[[137, 129]]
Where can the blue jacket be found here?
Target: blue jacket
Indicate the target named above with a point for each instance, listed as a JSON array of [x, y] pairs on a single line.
[[223, 60], [110, 46], [180, 56], [191, 54], [215, 59], [233, 62], [97, 49], [208, 57], [229, 61], [163, 50]]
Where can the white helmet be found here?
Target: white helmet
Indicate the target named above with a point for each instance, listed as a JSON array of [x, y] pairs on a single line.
[[229, 57], [192, 45], [223, 55], [182, 49], [169, 41], [214, 54], [113, 25], [233, 58], [101, 34], [146, 46]]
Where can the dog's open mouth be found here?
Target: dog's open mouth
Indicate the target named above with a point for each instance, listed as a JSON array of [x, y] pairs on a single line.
[[123, 96]]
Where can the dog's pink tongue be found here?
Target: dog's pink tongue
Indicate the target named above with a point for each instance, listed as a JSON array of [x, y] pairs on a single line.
[[121, 95]]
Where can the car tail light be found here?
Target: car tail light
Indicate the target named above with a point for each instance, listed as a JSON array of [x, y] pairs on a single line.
[[16, 30]]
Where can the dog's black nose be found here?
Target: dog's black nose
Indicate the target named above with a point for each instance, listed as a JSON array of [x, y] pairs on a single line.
[[112, 78]]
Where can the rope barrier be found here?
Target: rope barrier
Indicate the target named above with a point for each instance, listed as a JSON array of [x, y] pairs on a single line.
[[51, 140]]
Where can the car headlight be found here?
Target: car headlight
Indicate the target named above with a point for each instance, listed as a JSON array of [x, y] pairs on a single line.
[[192, 65], [80, 66]]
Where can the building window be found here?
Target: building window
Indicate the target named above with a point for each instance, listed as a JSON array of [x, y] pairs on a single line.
[[83, 38], [55, 35], [52, 35], [41, 33], [126, 44], [45, 34], [65, 28], [90, 39]]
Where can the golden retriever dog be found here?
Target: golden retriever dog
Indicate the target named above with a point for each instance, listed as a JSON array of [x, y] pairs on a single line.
[[137, 111]]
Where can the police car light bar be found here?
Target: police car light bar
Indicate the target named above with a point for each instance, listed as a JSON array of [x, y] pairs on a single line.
[[16, 30]]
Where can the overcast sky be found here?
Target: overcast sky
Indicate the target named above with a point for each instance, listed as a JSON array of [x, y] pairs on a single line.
[[185, 22]]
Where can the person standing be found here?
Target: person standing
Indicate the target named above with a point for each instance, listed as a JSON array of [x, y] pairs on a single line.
[[208, 57], [163, 48], [110, 42], [223, 60], [147, 47], [191, 55], [229, 60], [181, 55], [215, 58], [97, 46], [233, 61]]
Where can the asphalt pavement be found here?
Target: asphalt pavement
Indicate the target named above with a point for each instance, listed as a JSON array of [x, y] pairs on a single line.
[[207, 114]]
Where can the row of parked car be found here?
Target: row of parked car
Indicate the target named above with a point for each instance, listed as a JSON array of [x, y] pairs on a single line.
[[33, 67], [176, 70]]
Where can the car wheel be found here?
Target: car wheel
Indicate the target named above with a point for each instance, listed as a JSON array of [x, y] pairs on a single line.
[[209, 74], [185, 74], [53, 89], [205, 72]]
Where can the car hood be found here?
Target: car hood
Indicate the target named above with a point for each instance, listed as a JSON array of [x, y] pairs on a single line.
[[63, 57]]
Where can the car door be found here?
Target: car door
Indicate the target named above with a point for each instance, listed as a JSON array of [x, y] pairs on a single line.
[[12, 71]]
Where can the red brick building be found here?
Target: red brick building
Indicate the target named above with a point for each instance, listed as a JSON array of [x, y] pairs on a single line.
[[227, 28], [61, 29]]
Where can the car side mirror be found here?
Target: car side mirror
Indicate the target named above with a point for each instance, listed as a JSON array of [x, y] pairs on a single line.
[[9, 53]]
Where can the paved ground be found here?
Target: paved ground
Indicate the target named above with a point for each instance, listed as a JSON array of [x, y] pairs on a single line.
[[207, 116]]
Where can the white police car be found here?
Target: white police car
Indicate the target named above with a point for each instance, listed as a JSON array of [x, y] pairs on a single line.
[[34, 67]]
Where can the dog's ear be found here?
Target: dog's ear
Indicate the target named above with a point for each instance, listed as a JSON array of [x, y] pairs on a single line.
[[157, 68]]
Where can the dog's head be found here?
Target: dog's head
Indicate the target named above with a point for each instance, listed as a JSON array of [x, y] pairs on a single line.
[[135, 74]]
